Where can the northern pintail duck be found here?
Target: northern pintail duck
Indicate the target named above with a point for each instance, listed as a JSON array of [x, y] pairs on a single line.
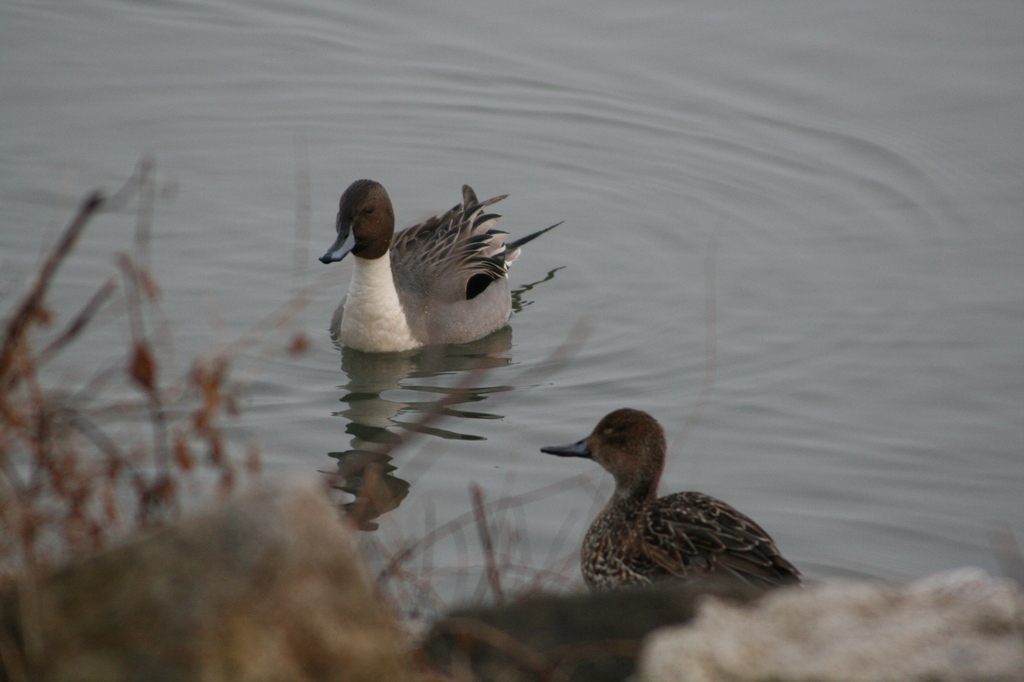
[[639, 538], [444, 280]]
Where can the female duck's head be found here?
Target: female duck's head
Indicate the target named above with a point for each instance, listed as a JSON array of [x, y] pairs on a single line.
[[629, 444]]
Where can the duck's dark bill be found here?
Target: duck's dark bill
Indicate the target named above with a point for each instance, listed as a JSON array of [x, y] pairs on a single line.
[[345, 242], [577, 449]]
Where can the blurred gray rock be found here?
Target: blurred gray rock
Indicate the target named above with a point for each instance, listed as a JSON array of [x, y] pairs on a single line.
[[962, 625], [269, 586], [592, 637]]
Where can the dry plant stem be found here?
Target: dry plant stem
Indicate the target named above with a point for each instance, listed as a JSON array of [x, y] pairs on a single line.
[[143, 369], [144, 216], [30, 417], [104, 443], [484, 532], [32, 305], [79, 323], [436, 534]]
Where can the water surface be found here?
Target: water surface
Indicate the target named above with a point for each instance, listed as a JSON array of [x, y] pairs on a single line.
[[822, 200]]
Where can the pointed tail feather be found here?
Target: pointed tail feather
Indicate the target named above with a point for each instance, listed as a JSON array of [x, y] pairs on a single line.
[[530, 237]]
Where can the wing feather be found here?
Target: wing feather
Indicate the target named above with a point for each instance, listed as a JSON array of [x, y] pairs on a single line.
[[437, 257], [690, 534]]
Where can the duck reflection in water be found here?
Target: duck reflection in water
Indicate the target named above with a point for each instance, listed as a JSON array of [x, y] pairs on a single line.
[[379, 394], [371, 414]]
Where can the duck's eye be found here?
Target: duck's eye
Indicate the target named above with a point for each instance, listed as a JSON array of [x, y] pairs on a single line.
[[368, 211]]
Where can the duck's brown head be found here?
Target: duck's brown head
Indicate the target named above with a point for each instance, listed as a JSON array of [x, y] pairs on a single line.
[[365, 222], [629, 444]]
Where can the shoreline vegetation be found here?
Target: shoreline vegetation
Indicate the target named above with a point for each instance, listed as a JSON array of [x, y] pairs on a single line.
[[72, 475]]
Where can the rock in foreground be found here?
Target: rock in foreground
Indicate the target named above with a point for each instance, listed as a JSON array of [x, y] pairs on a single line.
[[266, 587], [591, 637], [949, 627]]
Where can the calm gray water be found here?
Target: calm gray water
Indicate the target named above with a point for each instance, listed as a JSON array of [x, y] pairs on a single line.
[[847, 177]]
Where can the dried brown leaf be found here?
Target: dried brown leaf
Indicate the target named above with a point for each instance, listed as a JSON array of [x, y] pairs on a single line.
[[143, 367], [182, 454]]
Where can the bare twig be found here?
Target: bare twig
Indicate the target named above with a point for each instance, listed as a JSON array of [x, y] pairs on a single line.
[[32, 305], [76, 326], [143, 367], [144, 215], [484, 533], [443, 530]]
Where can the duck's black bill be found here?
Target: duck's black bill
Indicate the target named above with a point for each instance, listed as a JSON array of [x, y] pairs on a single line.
[[577, 449], [341, 247]]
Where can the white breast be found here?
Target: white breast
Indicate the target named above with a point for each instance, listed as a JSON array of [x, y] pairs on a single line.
[[374, 320]]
